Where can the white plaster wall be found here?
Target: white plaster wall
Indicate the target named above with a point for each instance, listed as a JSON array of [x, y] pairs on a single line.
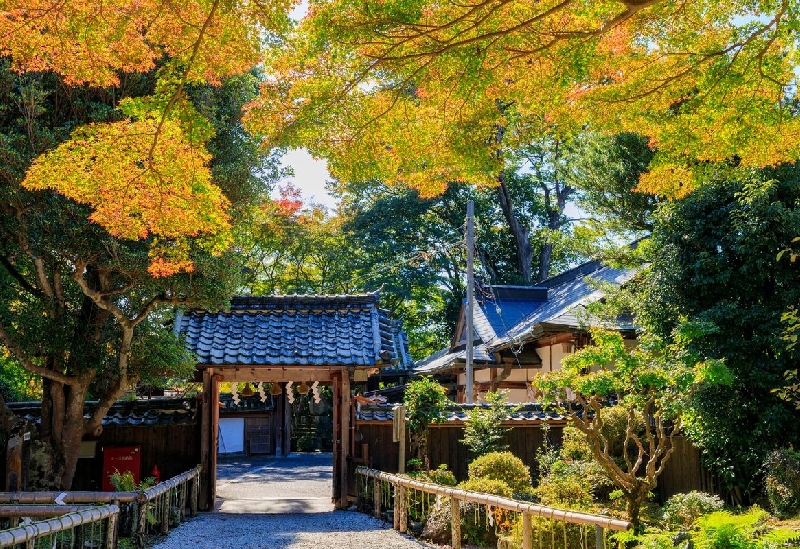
[[231, 435]]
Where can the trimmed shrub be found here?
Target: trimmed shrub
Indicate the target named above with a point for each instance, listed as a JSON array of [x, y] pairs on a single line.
[[442, 476], [683, 510], [487, 486], [502, 466], [782, 468]]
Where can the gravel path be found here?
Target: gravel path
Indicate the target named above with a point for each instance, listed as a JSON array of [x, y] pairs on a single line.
[[281, 503]]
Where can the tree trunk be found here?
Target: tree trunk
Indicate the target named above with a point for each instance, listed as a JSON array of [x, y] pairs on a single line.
[[520, 233], [72, 434]]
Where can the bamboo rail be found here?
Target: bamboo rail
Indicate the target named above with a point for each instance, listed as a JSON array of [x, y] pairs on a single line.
[[28, 533], [43, 504], [527, 509]]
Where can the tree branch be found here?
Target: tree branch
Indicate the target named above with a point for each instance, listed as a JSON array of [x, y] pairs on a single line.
[[14, 348]]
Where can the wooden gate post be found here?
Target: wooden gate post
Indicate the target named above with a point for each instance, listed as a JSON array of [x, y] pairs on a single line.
[[344, 464], [206, 472]]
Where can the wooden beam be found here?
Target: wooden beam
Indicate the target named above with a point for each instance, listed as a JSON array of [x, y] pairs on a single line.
[[205, 442], [243, 374], [215, 379], [547, 341], [337, 437], [344, 410]]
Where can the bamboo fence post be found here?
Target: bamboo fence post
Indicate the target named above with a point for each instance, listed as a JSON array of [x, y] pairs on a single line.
[[376, 497], [527, 532], [455, 522], [141, 522], [194, 495], [110, 541], [402, 509], [165, 513]]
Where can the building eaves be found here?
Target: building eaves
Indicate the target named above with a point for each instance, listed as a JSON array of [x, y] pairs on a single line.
[[296, 330], [568, 294]]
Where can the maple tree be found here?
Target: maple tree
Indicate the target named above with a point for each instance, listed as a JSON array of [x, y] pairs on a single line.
[[81, 308], [146, 175], [416, 92]]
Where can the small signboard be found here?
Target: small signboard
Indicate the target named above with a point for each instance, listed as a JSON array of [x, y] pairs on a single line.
[[121, 458]]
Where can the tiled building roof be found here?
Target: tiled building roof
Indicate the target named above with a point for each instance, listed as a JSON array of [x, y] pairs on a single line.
[[132, 414], [297, 330], [507, 315], [458, 413]]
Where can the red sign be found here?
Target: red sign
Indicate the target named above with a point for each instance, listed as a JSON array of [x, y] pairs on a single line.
[[121, 458]]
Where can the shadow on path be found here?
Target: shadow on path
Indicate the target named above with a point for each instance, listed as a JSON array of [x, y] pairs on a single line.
[[297, 483]]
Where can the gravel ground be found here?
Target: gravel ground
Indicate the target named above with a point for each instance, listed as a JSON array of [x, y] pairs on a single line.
[[282, 503]]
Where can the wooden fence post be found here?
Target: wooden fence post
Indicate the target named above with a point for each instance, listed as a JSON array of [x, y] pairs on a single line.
[[110, 541], [455, 522], [141, 523], [376, 497], [401, 509], [599, 539], [165, 503], [527, 532], [193, 497]]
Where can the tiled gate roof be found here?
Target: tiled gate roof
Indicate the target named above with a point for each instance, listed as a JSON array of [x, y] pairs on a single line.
[[297, 330]]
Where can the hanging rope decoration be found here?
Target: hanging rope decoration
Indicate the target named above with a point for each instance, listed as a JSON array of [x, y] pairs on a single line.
[[315, 392], [235, 393], [261, 392], [290, 392]]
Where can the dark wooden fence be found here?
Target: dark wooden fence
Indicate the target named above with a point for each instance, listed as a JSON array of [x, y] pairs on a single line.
[[173, 448], [444, 446], [683, 472]]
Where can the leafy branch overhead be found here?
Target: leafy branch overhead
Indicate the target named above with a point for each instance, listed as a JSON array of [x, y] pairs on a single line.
[[419, 92]]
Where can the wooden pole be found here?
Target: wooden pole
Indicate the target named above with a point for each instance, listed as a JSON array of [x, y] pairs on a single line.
[[455, 522], [401, 509], [470, 290], [215, 381], [376, 498], [344, 464], [527, 532], [110, 541], [599, 539], [205, 439], [165, 513]]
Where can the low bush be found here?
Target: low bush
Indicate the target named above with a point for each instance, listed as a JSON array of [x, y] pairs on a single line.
[[682, 510], [782, 468], [442, 476], [502, 466], [478, 527], [724, 530]]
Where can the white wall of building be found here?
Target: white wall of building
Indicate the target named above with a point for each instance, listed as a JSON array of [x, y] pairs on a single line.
[[231, 435]]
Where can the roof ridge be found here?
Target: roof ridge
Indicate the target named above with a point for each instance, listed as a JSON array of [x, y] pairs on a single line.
[[578, 271]]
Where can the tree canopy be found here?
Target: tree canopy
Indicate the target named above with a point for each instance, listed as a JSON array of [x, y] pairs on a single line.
[[425, 93]]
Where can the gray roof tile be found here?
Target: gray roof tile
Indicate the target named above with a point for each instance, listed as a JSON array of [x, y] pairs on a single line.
[[296, 330], [510, 316]]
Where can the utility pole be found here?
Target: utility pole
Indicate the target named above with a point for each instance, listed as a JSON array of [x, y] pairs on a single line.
[[470, 290]]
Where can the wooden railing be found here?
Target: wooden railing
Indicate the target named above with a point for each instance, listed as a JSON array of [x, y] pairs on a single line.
[[71, 526], [145, 510], [382, 483]]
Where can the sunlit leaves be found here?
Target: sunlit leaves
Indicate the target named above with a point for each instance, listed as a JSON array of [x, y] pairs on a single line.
[[137, 190], [414, 91], [89, 42]]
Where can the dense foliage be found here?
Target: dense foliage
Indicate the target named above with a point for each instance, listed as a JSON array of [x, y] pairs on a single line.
[[714, 263], [82, 309]]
